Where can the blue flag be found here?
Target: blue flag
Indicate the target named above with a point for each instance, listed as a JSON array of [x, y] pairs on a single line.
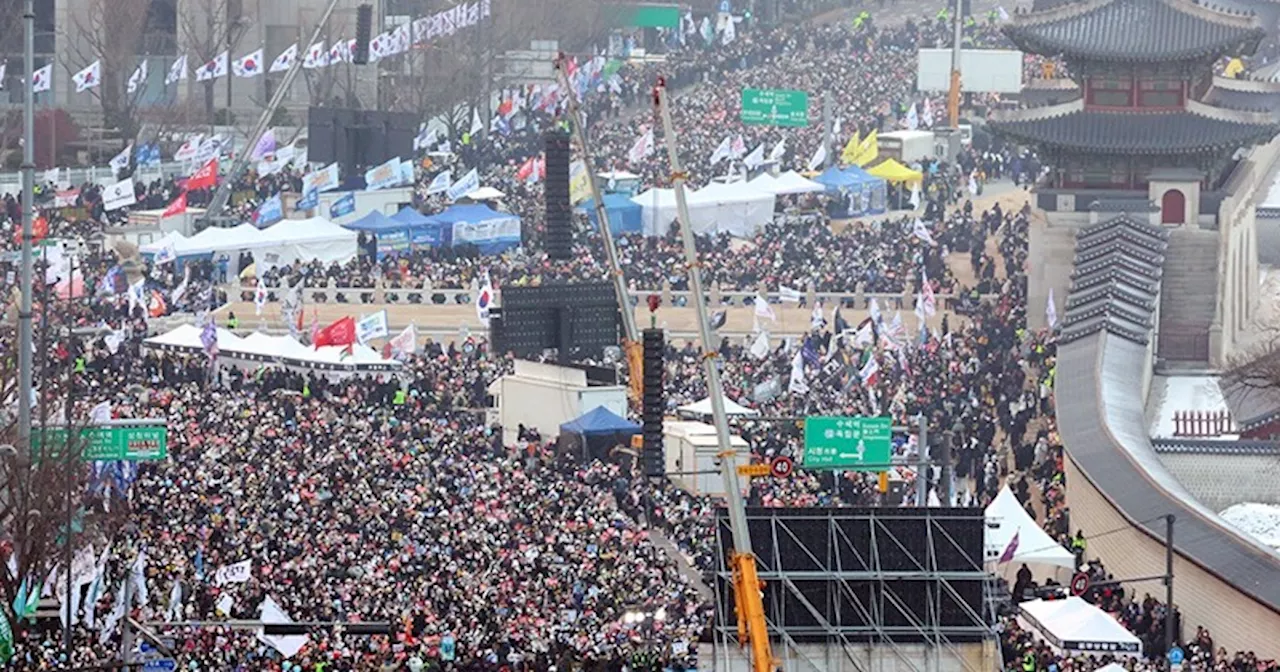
[[309, 200], [343, 206], [270, 212]]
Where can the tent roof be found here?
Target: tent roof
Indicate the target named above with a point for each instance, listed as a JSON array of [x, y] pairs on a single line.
[[268, 348], [731, 407], [611, 202], [600, 420], [791, 182], [214, 239], [303, 231], [375, 221], [618, 175], [410, 216], [484, 194], [470, 212], [160, 243], [1074, 620], [893, 171], [834, 177], [732, 192], [1005, 518]]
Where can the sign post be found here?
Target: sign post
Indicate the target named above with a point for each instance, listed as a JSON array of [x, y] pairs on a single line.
[[775, 107], [853, 443]]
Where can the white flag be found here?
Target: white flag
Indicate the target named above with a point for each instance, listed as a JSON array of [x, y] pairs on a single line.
[[189, 148], [177, 71], [89, 78], [755, 158], [138, 579], [175, 600], [238, 572], [778, 151], [926, 114], [121, 161], [465, 185], [919, 230], [738, 148], [477, 124], [440, 183], [287, 645], [42, 79], [213, 69], [723, 150], [1051, 311], [118, 195], [372, 326], [763, 309], [643, 147], [760, 347], [317, 56], [249, 65], [789, 295], [913, 118], [285, 60], [819, 157], [798, 384], [406, 342], [139, 77]]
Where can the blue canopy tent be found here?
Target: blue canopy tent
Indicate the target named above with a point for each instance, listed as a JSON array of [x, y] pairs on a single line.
[[475, 224], [860, 193], [623, 213], [422, 231], [598, 431], [393, 235]]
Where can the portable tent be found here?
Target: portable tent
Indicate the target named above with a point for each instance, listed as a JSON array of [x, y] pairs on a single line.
[[862, 194], [213, 240], [422, 230], [1073, 627], [624, 215], [375, 222], [731, 407], [600, 420], [485, 194], [475, 224], [791, 182], [283, 350], [738, 209], [292, 240], [1007, 519], [173, 237], [895, 172]]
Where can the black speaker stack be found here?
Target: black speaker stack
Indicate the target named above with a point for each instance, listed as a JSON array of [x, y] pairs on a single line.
[[556, 197], [364, 32], [653, 403]]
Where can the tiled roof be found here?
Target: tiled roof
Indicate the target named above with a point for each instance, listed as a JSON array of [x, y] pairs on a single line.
[[1255, 101], [1216, 446], [1115, 282], [1134, 30], [1178, 132]]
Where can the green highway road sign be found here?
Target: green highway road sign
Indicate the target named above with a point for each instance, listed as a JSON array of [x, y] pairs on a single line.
[[132, 443], [850, 443], [775, 107]]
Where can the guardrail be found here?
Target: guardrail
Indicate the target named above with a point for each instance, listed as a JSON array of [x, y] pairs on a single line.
[[382, 294]]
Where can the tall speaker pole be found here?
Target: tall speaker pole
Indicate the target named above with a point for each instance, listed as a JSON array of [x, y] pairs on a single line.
[[219, 200], [28, 216]]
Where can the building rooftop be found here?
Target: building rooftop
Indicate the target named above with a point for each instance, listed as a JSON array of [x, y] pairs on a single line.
[[1197, 129], [1134, 31]]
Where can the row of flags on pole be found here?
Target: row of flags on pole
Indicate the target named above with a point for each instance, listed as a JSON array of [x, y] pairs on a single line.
[[388, 44]]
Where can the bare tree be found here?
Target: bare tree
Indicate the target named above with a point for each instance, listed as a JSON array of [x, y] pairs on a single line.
[[112, 31], [208, 28]]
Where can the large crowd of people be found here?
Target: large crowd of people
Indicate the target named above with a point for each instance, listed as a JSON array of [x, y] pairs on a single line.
[[390, 498]]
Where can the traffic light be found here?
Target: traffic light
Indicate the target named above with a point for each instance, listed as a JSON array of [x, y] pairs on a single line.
[[653, 402]]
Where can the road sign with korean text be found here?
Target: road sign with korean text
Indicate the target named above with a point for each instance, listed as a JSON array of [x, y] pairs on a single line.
[[854, 443]]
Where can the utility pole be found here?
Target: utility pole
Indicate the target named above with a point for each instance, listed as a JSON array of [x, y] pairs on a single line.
[[1168, 584], [227, 7], [28, 216], [828, 130]]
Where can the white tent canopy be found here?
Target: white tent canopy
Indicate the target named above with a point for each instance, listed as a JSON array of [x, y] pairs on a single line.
[[285, 350], [703, 407], [1006, 519], [156, 245], [1073, 626], [738, 209], [792, 182], [288, 241]]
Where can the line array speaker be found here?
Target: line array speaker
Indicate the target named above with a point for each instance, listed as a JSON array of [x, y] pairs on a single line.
[[556, 197]]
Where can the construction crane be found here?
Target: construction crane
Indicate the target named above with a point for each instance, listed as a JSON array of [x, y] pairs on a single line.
[[748, 601], [631, 346]]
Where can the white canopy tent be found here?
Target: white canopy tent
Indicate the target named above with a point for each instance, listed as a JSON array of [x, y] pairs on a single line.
[[164, 241], [283, 350], [738, 209], [1073, 626], [1006, 519], [700, 408], [792, 182], [285, 242]]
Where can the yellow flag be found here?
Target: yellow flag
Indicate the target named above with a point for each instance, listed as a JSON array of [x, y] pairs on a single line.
[[868, 149], [579, 186], [1234, 67], [850, 151]]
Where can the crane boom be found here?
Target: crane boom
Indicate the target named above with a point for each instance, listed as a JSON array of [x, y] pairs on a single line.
[[631, 346], [746, 582]]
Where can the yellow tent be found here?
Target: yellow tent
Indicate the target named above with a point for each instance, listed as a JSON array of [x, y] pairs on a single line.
[[895, 172], [850, 151], [868, 149]]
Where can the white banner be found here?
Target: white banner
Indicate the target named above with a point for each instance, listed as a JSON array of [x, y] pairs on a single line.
[[118, 195], [234, 573], [469, 183], [506, 228], [385, 175], [325, 179]]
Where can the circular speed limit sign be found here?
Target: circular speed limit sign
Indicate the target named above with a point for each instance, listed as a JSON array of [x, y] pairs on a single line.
[[1079, 584], [781, 467]]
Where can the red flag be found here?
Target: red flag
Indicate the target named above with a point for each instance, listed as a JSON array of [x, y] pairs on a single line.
[[206, 177], [177, 207], [527, 169], [342, 332]]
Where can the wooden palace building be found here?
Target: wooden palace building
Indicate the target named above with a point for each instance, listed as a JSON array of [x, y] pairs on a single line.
[[1143, 125]]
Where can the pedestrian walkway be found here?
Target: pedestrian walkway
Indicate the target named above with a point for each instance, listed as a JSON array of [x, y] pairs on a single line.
[[686, 569]]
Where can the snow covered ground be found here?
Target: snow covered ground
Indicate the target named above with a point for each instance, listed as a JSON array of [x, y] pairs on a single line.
[[1260, 521], [1173, 394]]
